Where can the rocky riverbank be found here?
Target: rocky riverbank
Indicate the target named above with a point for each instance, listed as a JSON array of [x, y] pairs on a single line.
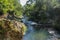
[[11, 29]]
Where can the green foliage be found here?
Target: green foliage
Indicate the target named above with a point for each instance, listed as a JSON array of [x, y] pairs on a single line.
[[13, 5], [43, 11], [39, 9]]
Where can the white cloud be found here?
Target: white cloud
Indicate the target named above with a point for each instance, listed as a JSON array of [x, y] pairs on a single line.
[[23, 2]]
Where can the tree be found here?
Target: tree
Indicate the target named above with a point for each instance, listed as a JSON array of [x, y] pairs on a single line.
[[11, 5], [39, 9], [43, 11]]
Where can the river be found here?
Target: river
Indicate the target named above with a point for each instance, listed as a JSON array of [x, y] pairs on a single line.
[[42, 34]]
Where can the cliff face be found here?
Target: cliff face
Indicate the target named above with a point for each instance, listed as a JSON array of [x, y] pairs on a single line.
[[11, 29]]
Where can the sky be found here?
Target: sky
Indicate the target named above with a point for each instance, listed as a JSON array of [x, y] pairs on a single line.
[[23, 2]]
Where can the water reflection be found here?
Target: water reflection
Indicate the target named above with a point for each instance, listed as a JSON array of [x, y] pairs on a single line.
[[42, 34], [36, 35]]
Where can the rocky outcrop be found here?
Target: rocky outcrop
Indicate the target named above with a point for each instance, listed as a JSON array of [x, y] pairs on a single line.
[[11, 29]]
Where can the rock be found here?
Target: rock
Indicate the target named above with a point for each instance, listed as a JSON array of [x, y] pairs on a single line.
[[11, 29]]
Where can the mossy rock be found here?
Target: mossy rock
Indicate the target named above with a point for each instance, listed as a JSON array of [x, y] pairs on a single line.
[[11, 29]]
